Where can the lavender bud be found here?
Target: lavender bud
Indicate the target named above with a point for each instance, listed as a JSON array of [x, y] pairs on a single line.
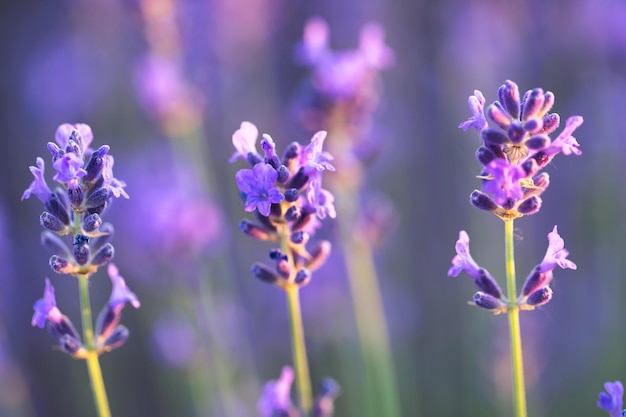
[[292, 214], [73, 147], [98, 198], [482, 201], [291, 152], [493, 137], [487, 301], [535, 280], [56, 245], [60, 265], [254, 230], [75, 195], [61, 328], [306, 215], [264, 273], [530, 167], [538, 142], [550, 123], [71, 346], [95, 164], [96, 210], [532, 104], [548, 102], [540, 297], [91, 223], [283, 174], [319, 255], [303, 276], [264, 221], [484, 155], [508, 95], [103, 255], [51, 222], [542, 180], [530, 206], [516, 132], [56, 207], [324, 403], [487, 284], [108, 319], [282, 262], [298, 237], [533, 125], [254, 158], [55, 151], [276, 210], [299, 180], [291, 195], [118, 337], [499, 115], [81, 249]]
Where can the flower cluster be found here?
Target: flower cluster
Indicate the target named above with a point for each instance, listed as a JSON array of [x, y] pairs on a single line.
[[345, 78], [514, 152], [536, 290], [287, 198], [612, 400], [76, 234], [276, 401]]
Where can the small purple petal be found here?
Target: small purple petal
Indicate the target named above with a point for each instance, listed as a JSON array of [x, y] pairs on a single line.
[[38, 187], [476, 104], [505, 182], [46, 308], [120, 294], [556, 253], [463, 261], [275, 399], [612, 400], [244, 140]]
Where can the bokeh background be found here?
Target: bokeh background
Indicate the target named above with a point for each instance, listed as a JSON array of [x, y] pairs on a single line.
[[166, 83]]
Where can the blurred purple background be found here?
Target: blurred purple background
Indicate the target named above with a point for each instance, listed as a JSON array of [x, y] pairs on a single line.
[[166, 83]]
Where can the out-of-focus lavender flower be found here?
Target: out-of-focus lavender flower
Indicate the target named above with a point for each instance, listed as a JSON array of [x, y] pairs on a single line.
[[46, 308], [287, 197], [612, 400], [517, 148], [324, 405], [275, 400], [174, 341]]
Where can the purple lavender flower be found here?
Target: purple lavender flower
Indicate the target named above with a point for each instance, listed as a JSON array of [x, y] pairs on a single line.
[[258, 184], [244, 140], [46, 308], [504, 182], [463, 261], [611, 400], [287, 194], [38, 187], [276, 400], [80, 130], [517, 148], [477, 107]]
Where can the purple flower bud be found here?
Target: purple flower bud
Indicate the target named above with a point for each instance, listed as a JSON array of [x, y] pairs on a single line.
[[532, 103], [105, 235], [299, 180], [98, 198], [493, 137], [291, 195], [298, 237], [499, 115], [52, 223], [75, 194], [485, 282], [292, 214], [542, 180], [306, 216], [55, 151], [57, 208], [96, 164], [536, 280], [482, 201], [488, 302], [303, 277], [81, 249], [550, 123], [515, 132], [72, 346], [548, 102], [291, 152], [476, 104], [612, 400], [539, 297], [60, 265], [264, 273], [530, 206], [283, 267], [538, 142], [508, 95], [254, 230], [283, 174], [117, 338], [319, 255], [91, 223], [103, 255], [533, 125], [56, 245]]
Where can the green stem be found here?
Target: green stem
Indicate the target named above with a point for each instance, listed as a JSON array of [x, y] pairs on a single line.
[[93, 364], [517, 362], [298, 346]]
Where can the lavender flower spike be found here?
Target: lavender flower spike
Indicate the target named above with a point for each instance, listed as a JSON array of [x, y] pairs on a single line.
[[556, 254], [258, 185], [476, 104], [611, 400], [275, 400]]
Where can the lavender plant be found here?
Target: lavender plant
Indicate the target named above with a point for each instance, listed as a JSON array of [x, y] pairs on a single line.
[[341, 96], [612, 399], [79, 240], [512, 154], [286, 196]]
